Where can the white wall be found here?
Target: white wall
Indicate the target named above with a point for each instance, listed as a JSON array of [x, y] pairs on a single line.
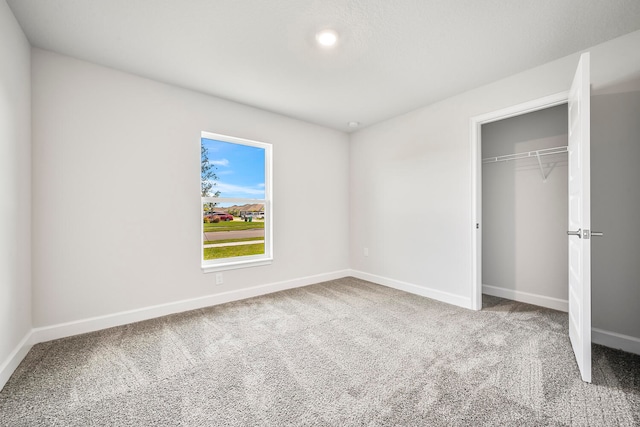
[[411, 176], [421, 162], [15, 190], [524, 217], [615, 197], [116, 192]]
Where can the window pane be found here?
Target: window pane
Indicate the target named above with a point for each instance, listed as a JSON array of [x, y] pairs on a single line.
[[236, 199], [232, 230], [232, 170]]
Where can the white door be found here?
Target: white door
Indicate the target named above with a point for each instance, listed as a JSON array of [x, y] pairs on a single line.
[[580, 218]]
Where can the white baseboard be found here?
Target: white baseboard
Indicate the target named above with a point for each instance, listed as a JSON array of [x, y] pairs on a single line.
[[47, 333], [615, 340], [14, 359], [539, 300], [92, 324], [435, 294]]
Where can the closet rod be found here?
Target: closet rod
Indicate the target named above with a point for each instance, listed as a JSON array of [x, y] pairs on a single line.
[[526, 154]]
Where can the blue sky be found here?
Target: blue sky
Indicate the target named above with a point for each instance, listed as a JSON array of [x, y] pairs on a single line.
[[240, 169]]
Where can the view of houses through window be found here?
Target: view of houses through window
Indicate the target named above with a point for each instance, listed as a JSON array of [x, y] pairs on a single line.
[[235, 197]]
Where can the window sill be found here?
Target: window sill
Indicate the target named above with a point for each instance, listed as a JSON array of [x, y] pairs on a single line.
[[211, 268]]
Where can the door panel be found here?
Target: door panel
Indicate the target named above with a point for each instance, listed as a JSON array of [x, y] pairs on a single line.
[[580, 218]]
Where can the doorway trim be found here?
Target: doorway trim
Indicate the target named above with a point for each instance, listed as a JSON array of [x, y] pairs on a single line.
[[476, 178]]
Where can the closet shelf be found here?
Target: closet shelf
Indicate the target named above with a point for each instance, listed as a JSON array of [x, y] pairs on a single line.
[[528, 154]]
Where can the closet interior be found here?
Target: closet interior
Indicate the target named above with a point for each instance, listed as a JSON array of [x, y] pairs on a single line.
[[525, 208]]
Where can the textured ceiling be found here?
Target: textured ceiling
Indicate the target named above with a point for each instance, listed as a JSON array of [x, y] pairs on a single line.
[[392, 56]]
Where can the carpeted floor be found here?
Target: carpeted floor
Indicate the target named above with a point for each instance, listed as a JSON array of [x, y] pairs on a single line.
[[340, 353]]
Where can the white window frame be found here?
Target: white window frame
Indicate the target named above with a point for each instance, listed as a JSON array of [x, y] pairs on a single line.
[[209, 266]]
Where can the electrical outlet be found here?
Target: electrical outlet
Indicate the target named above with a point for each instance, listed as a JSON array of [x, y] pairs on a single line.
[[366, 251], [219, 279]]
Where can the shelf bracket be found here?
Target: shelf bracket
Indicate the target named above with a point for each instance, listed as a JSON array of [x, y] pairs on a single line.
[[544, 176]]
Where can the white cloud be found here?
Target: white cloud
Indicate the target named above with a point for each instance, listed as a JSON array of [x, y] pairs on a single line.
[[230, 190], [221, 162]]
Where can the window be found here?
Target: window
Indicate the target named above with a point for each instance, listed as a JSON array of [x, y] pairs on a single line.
[[235, 181]]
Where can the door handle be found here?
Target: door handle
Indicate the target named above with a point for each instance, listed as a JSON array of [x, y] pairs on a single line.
[[597, 233], [575, 233]]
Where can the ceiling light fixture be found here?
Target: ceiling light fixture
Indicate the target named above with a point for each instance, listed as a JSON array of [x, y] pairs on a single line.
[[327, 38], [354, 124]]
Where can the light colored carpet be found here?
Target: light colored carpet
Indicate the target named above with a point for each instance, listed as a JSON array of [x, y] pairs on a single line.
[[340, 353]]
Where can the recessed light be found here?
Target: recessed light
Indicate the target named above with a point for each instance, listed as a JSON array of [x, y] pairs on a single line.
[[327, 38], [354, 124]]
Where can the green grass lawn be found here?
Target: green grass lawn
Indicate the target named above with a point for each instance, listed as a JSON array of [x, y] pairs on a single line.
[[233, 225], [244, 239], [233, 251]]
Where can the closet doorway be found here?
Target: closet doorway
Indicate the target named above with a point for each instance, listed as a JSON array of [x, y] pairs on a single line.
[[477, 124], [525, 208]]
